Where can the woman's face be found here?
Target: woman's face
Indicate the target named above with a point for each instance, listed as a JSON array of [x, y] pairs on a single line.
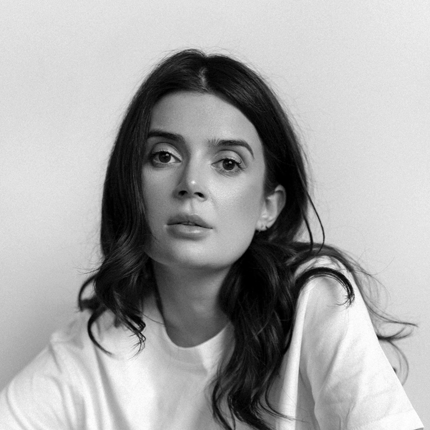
[[203, 180]]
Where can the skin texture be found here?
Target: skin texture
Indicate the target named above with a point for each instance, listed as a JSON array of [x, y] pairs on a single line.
[[203, 158]]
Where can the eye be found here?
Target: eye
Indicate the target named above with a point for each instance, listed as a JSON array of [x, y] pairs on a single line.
[[160, 158], [229, 165]]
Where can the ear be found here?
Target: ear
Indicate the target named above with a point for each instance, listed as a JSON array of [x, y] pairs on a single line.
[[272, 207]]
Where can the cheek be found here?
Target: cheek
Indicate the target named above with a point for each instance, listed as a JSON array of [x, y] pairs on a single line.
[[243, 208], [154, 197]]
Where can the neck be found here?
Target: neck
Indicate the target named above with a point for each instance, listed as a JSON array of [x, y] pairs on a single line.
[[189, 300]]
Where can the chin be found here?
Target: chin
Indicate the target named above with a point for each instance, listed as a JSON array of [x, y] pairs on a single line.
[[194, 261], [195, 255]]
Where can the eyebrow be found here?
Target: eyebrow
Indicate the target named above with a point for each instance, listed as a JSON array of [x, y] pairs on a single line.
[[232, 142], [161, 133], [216, 142]]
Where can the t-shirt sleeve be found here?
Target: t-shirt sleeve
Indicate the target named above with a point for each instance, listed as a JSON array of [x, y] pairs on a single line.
[[353, 385], [43, 396]]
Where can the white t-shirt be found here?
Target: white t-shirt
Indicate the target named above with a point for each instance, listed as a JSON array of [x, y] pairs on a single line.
[[334, 376]]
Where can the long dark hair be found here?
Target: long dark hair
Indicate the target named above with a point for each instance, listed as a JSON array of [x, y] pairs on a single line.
[[260, 293]]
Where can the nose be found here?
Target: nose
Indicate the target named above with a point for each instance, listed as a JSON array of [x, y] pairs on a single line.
[[192, 183]]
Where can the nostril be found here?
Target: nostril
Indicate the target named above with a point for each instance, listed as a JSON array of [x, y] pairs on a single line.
[[190, 192]]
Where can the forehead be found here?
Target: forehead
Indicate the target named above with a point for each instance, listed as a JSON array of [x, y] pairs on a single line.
[[202, 115]]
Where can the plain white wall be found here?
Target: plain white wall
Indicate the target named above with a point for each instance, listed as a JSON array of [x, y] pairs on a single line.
[[354, 74]]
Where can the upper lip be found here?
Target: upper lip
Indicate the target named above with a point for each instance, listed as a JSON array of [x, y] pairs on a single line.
[[188, 219]]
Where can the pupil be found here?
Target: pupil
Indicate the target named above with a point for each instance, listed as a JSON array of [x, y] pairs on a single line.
[[228, 164], [164, 157]]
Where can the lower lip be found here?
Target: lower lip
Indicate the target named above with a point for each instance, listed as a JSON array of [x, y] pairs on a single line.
[[185, 231]]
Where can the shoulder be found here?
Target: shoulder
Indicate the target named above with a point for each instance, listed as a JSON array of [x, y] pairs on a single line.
[[47, 385], [66, 345], [331, 304], [73, 332], [323, 262], [327, 281], [331, 307], [49, 392], [340, 358]]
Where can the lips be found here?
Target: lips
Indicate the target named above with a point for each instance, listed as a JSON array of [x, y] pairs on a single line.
[[189, 219]]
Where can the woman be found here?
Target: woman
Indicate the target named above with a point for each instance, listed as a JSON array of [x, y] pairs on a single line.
[[208, 311]]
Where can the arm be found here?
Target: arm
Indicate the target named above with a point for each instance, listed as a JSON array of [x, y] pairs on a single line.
[[351, 380], [41, 397]]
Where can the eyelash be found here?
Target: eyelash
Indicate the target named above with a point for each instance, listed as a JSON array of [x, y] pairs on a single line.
[[238, 165], [153, 156]]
